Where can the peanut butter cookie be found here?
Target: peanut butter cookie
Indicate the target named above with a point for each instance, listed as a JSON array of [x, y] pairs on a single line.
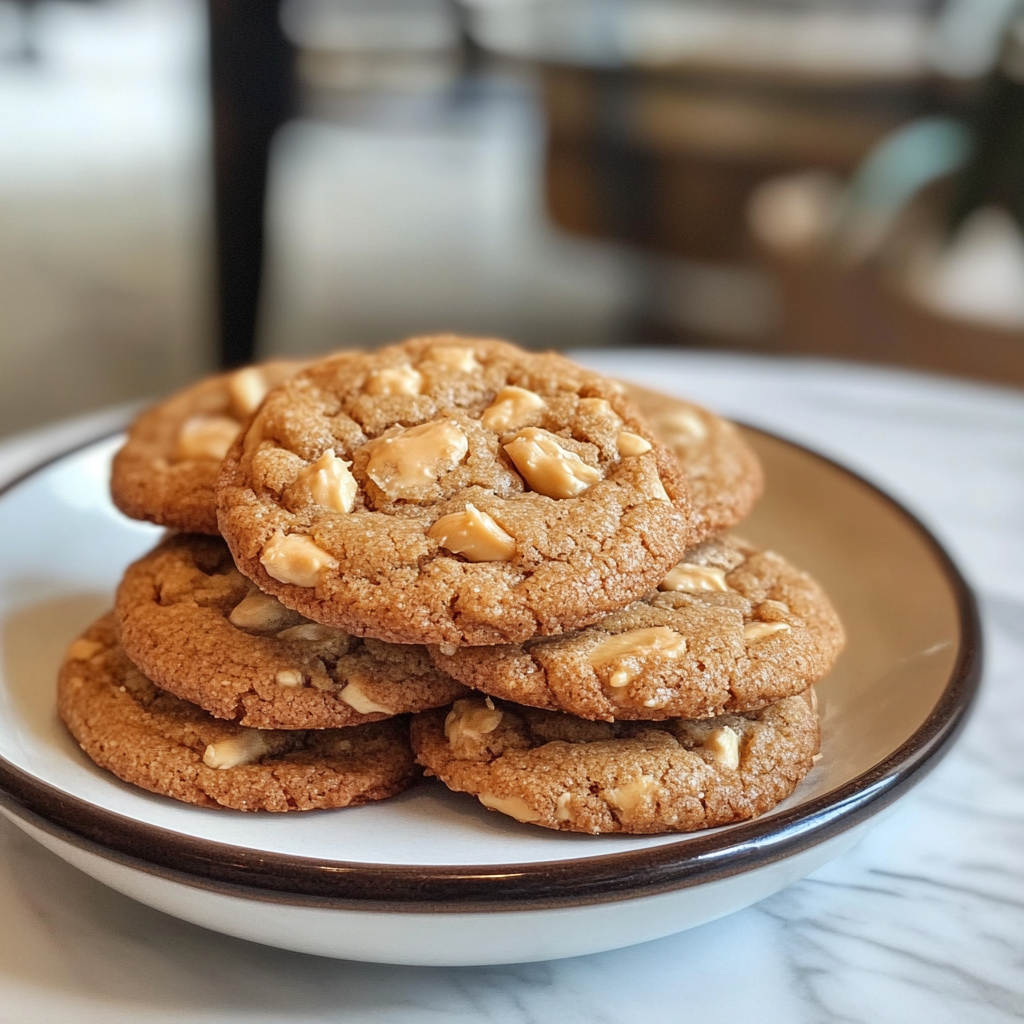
[[199, 629], [166, 470], [165, 745], [566, 773], [730, 629], [452, 490]]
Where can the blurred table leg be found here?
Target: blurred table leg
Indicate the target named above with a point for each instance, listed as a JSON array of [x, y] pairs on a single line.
[[252, 93]]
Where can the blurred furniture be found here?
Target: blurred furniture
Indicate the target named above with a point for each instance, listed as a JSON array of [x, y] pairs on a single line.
[[666, 159], [252, 89], [663, 119], [269, 60], [918, 259]]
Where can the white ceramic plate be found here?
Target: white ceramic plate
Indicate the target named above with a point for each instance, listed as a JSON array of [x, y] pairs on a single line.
[[430, 877]]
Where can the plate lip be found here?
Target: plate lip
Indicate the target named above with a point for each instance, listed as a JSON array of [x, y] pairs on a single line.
[[287, 879]]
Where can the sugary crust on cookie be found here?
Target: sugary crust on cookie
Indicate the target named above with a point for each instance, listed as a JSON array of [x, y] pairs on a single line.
[[151, 477], [274, 670], [770, 635], [565, 773], [722, 471], [158, 742], [380, 568]]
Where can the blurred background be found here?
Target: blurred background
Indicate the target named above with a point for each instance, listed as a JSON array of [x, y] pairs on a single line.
[[187, 184]]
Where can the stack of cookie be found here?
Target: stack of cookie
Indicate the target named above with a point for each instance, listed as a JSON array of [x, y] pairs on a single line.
[[494, 542]]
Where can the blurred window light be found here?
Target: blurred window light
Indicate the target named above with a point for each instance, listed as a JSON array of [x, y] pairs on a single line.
[[115, 85], [370, 25], [586, 31], [824, 40], [827, 38], [967, 36]]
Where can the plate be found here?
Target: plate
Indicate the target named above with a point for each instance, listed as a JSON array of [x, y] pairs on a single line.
[[430, 877]]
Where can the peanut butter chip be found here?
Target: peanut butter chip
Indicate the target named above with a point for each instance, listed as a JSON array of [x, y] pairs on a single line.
[[395, 380], [754, 631], [724, 745], [629, 443], [255, 435], [330, 483], [246, 389], [295, 559], [657, 490], [689, 576], [549, 468], [242, 748], [354, 695], [206, 437], [597, 407], [683, 427], [600, 409], [454, 357], [474, 535], [312, 632], [514, 806], [467, 723], [83, 650], [262, 612], [407, 464], [626, 651], [511, 409], [630, 795]]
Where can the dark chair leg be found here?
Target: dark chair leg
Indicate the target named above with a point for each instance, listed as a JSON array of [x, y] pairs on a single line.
[[252, 86]]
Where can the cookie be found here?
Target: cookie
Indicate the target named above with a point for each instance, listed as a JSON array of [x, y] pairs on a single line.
[[199, 629], [731, 629], [566, 773], [452, 490], [722, 471], [165, 745], [166, 470]]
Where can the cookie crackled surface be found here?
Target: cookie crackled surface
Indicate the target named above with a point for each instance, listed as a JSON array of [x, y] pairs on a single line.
[[453, 491]]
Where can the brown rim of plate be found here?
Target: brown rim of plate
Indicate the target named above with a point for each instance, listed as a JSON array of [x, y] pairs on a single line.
[[694, 860]]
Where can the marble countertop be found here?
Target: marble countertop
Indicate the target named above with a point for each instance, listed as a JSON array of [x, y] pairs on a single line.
[[922, 921]]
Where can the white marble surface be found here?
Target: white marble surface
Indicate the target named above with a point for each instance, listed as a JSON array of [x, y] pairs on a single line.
[[922, 921]]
